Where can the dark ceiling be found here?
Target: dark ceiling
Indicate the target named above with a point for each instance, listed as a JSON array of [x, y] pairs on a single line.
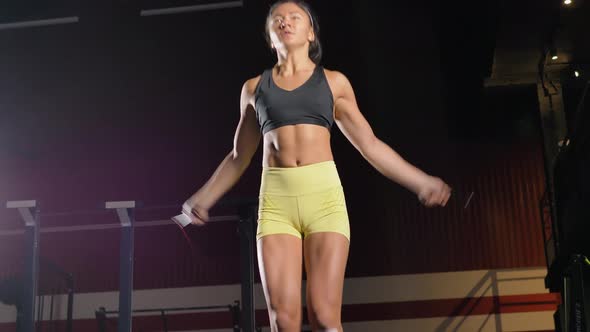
[[476, 44], [471, 30]]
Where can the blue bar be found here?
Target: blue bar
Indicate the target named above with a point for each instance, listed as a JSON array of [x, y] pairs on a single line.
[[31, 275], [126, 278]]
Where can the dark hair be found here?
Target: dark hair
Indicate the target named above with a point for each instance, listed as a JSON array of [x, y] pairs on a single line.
[[315, 47]]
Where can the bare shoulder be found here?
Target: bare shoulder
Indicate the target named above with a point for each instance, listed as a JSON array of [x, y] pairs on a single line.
[[338, 82], [250, 85], [248, 91], [335, 75]]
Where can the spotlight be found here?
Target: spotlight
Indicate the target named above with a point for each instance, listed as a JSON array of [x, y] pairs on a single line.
[[576, 73], [553, 53], [567, 2]]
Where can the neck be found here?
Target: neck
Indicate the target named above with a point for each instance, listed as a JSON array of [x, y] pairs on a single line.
[[293, 61]]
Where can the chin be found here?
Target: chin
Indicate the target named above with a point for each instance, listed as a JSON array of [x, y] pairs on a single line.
[[293, 45]]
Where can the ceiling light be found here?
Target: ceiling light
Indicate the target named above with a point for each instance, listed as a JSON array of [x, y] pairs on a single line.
[[553, 52]]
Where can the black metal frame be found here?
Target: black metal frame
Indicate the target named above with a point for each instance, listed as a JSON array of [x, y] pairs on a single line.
[[245, 318], [68, 279], [573, 313], [101, 314]]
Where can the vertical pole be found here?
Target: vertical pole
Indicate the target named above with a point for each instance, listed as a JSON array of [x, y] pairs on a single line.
[[101, 318], [30, 214], [235, 311], [125, 263], [164, 320], [70, 285]]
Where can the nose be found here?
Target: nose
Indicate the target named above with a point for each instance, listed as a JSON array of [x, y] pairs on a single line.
[[283, 24]]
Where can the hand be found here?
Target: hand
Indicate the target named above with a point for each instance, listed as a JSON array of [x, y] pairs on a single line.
[[434, 192], [198, 214]]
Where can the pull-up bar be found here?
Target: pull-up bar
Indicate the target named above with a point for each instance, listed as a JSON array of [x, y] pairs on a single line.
[[29, 211]]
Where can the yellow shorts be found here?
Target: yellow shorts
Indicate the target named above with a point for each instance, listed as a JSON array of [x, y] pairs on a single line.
[[301, 201]]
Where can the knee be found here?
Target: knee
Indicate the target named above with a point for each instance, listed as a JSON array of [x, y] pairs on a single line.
[[327, 318], [286, 317]]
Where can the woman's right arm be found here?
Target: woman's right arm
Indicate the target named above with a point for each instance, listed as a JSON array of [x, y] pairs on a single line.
[[246, 141]]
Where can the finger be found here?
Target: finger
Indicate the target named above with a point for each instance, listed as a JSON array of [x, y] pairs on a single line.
[[197, 221], [437, 197], [445, 192], [422, 199], [196, 213], [425, 201], [447, 195], [204, 217], [442, 195], [433, 201]]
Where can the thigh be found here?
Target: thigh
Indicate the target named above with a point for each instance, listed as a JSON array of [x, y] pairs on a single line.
[[280, 264], [325, 255]]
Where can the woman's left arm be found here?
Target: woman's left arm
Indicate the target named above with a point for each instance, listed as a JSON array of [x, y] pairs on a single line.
[[431, 191]]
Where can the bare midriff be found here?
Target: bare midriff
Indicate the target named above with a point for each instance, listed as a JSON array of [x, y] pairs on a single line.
[[296, 145]]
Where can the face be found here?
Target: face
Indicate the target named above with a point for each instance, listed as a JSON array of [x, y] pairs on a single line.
[[289, 25]]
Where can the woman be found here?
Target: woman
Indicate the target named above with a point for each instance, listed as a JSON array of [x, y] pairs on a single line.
[[302, 211]]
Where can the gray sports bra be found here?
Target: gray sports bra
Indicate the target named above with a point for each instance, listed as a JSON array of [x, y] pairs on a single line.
[[310, 103]]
